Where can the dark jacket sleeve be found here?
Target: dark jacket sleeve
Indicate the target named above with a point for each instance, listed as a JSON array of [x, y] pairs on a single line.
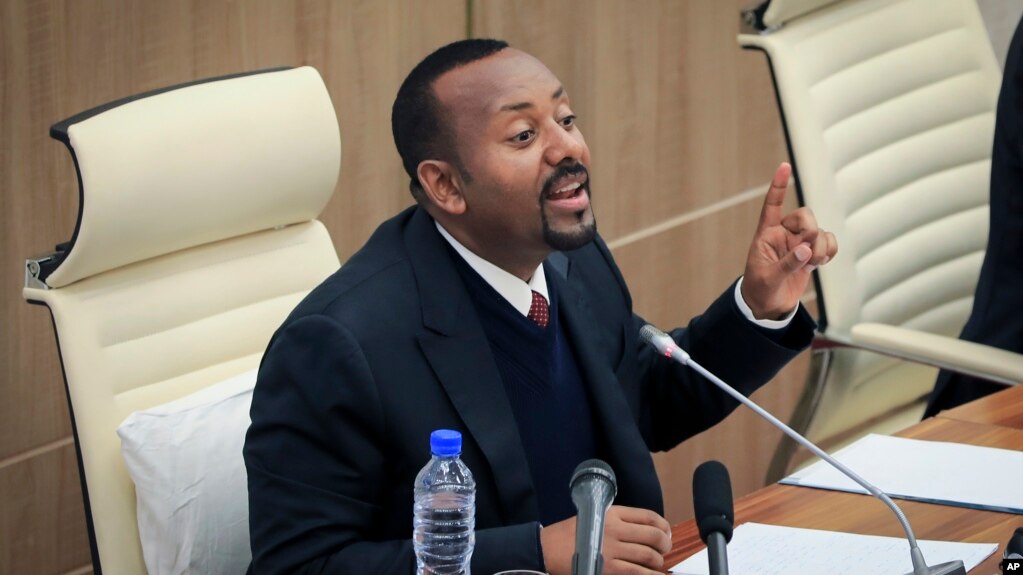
[[316, 460], [672, 402], [728, 345]]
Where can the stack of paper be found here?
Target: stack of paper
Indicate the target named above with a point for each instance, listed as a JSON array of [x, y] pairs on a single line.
[[758, 549], [932, 471]]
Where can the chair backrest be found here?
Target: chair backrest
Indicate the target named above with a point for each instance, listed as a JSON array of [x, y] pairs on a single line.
[[196, 236], [888, 107]]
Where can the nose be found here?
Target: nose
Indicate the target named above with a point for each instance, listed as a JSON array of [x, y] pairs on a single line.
[[564, 145]]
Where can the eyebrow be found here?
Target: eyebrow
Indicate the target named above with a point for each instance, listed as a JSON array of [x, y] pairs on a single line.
[[526, 105]]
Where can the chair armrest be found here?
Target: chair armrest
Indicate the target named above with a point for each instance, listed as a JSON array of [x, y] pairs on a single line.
[[949, 353]]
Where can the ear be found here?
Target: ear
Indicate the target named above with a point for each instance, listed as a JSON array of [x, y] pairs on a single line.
[[442, 184]]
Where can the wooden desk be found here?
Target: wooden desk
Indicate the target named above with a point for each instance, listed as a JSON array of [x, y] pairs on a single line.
[[854, 513], [1004, 408]]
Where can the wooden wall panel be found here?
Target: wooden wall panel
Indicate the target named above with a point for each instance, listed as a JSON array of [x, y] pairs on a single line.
[[60, 57], [674, 275], [38, 208], [676, 115], [369, 52], [42, 521]]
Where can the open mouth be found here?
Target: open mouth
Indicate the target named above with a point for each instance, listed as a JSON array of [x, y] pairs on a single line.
[[568, 195], [566, 192]]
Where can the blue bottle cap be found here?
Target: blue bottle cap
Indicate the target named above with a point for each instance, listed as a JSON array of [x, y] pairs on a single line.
[[445, 442]]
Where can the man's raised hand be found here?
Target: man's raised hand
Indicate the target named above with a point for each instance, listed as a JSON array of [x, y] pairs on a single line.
[[785, 249]]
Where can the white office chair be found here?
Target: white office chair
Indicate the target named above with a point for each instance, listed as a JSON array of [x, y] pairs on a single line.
[[196, 236], [888, 108]]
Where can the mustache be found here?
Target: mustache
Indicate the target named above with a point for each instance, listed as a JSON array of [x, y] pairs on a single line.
[[560, 172]]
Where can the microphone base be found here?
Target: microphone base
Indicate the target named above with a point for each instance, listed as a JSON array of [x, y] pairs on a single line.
[[951, 568]]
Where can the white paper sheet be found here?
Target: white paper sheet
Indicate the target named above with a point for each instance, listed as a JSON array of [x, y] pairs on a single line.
[[758, 549], [932, 471]]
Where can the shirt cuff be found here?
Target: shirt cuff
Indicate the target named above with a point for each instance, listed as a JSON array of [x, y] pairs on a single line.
[[765, 323]]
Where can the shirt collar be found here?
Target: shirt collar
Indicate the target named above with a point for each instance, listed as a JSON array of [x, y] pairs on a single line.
[[517, 292]]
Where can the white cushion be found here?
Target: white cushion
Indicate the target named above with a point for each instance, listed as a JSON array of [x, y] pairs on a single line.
[[185, 458]]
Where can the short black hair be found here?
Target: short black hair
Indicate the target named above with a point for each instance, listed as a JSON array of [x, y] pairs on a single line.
[[416, 123]]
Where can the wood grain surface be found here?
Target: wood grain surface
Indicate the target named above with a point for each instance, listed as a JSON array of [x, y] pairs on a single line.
[[1003, 408], [854, 513]]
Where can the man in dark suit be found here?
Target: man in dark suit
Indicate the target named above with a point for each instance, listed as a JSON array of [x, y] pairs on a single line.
[[493, 307], [997, 315]]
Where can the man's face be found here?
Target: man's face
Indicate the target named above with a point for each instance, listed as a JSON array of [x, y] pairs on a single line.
[[524, 175]]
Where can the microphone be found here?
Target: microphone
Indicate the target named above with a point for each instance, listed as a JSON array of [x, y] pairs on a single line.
[[712, 501], [663, 343], [593, 488], [1014, 548]]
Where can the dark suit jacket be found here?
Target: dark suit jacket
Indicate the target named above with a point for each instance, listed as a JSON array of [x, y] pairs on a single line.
[[997, 315], [390, 348]]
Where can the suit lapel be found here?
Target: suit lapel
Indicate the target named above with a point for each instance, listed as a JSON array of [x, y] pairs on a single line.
[[456, 347], [624, 447]]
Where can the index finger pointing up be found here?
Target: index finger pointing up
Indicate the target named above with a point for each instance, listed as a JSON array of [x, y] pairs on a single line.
[[771, 213]]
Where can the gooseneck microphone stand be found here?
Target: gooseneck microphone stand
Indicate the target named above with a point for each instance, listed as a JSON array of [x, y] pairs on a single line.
[[665, 345]]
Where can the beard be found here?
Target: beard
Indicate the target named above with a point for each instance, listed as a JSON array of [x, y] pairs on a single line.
[[583, 230], [578, 236]]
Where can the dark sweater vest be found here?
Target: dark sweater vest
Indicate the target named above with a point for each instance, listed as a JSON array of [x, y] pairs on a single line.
[[545, 389]]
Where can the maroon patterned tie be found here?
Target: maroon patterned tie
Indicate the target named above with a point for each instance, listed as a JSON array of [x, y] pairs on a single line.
[[539, 311]]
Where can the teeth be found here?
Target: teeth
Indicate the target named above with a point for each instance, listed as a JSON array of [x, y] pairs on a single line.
[[568, 188]]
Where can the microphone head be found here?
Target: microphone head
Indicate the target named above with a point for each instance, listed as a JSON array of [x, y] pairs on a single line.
[[594, 470], [648, 332], [712, 500], [1014, 548], [663, 343]]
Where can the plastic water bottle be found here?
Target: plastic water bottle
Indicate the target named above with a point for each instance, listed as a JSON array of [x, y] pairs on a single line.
[[444, 515]]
